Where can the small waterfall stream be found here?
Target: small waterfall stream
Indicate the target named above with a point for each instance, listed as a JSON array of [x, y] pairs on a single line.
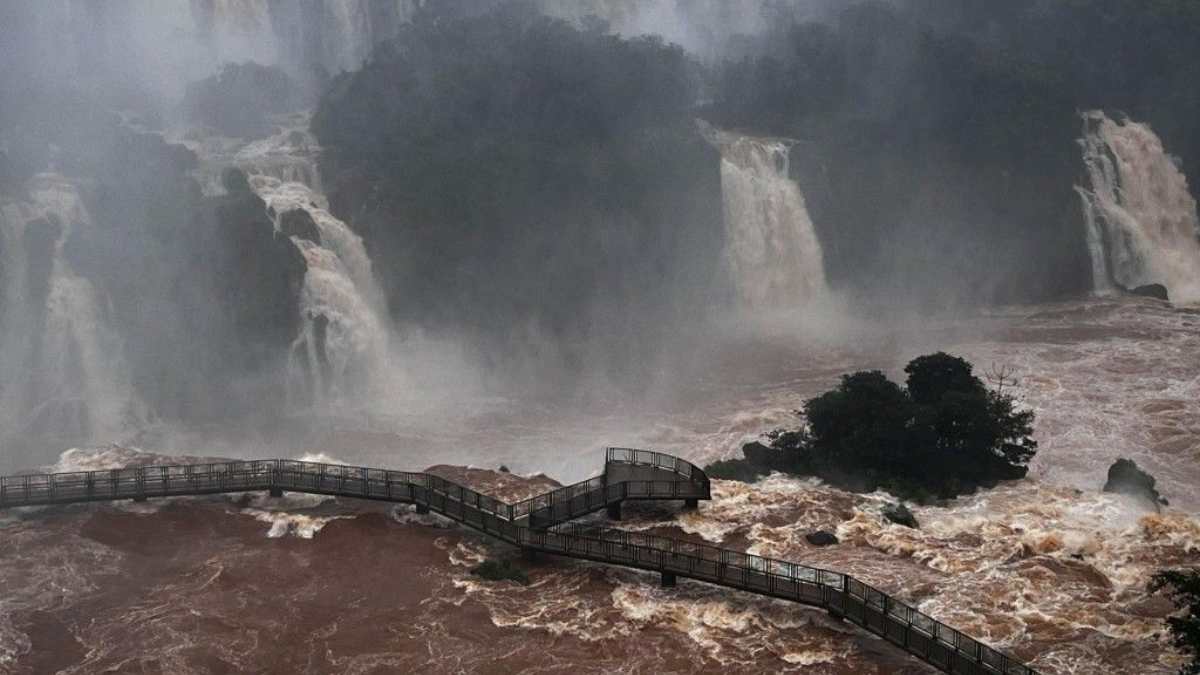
[[62, 368]]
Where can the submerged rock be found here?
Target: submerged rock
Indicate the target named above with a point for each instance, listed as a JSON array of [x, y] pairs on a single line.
[[1126, 477], [898, 513], [821, 538], [500, 570], [1152, 291]]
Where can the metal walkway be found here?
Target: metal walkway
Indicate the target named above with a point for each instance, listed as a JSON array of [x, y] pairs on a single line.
[[539, 524]]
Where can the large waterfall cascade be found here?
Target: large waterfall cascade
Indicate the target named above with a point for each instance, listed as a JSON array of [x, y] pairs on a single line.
[[342, 345], [1142, 222], [772, 250], [61, 360]]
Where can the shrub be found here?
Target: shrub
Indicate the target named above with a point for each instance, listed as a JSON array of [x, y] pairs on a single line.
[[942, 435], [1183, 586]]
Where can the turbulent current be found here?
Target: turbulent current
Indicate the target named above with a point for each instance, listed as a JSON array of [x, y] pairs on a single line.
[[1049, 568], [1142, 223]]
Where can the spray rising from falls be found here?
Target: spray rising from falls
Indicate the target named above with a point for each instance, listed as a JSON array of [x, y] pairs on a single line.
[[774, 256], [62, 370], [1142, 224]]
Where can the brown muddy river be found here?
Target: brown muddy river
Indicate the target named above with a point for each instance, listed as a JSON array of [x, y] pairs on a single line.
[[1048, 568]]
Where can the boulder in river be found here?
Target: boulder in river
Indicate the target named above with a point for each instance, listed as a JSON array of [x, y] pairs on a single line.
[[821, 538], [1126, 477], [1157, 291], [898, 513]]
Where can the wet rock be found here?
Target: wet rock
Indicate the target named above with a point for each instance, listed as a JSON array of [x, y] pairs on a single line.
[[235, 181], [501, 570], [1157, 291], [40, 239], [821, 538], [1126, 477], [898, 513], [9, 180], [299, 223]]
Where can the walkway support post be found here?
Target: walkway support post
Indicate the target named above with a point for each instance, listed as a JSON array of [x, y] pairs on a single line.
[[668, 579], [422, 509], [614, 511], [276, 491], [691, 504]]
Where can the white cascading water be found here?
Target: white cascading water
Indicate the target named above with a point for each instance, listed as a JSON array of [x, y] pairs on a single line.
[[338, 34], [63, 373], [1142, 223], [772, 250], [339, 285]]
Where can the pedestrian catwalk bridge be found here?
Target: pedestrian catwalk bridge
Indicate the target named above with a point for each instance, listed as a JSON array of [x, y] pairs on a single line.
[[540, 524]]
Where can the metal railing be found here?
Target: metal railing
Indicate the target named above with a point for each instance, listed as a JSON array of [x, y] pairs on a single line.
[[525, 524]]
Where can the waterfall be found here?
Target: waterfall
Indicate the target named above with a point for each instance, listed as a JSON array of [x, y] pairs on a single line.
[[772, 250], [342, 345], [1142, 223], [337, 34], [62, 369]]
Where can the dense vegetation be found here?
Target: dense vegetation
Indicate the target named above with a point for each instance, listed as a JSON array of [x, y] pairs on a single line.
[[952, 124], [1183, 586], [944, 434], [525, 178]]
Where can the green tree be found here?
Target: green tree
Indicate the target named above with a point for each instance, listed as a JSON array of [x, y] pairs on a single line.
[[861, 424], [943, 435], [1183, 586]]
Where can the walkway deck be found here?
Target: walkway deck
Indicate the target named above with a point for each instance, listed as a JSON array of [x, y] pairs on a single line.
[[540, 524]]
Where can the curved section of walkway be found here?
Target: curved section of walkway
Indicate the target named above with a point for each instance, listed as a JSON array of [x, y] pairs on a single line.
[[540, 524]]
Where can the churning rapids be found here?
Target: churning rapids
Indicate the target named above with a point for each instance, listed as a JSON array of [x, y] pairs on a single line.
[[1049, 568]]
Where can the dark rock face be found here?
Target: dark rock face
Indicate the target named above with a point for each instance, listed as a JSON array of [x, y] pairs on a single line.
[[8, 174], [898, 513], [260, 279], [821, 538], [41, 236], [1157, 291], [298, 223], [1126, 477], [235, 181]]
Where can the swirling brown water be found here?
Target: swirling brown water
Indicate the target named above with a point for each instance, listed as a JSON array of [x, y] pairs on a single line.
[[1048, 568]]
